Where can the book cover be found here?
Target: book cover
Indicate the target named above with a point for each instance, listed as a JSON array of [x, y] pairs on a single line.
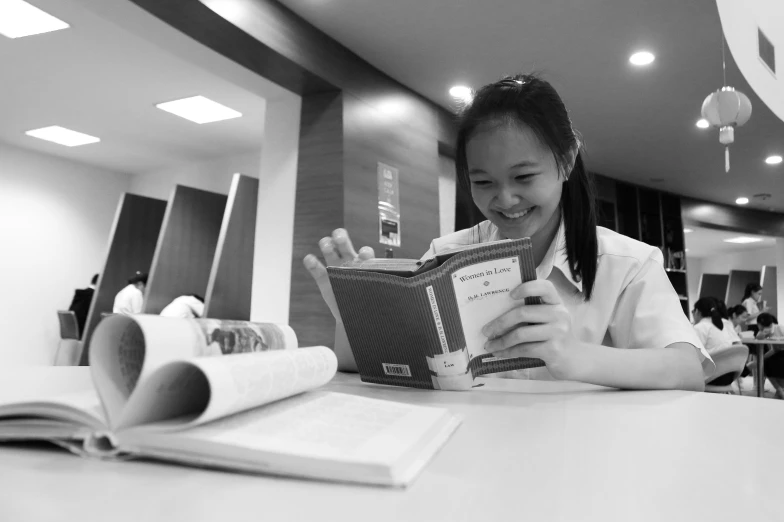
[[418, 323]]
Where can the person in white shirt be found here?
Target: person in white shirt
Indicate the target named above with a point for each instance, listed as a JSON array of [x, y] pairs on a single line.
[[714, 331], [752, 298], [738, 315], [520, 156], [774, 359], [130, 299], [185, 306]]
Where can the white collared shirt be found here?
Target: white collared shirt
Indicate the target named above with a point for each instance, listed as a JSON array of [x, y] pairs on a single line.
[[751, 307], [713, 338], [185, 306], [128, 301], [633, 304]]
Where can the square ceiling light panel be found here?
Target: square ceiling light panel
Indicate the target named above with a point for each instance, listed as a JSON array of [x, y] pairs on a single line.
[[62, 136], [199, 109], [18, 19]]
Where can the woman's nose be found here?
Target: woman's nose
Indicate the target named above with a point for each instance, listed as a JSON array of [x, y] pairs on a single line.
[[507, 198]]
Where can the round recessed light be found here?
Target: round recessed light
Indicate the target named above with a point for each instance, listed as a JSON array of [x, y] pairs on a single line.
[[742, 201], [460, 92], [773, 160], [642, 58], [687, 230], [703, 123]]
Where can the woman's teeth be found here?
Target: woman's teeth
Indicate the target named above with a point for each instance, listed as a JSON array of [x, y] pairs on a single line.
[[517, 214]]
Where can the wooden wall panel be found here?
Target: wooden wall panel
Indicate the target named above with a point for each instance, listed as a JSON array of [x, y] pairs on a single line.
[[132, 242], [738, 279], [713, 285], [230, 285], [318, 210], [186, 246], [769, 283]]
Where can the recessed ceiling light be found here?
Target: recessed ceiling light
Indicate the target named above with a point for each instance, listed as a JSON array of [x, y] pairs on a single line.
[[773, 160], [742, 201], [199, 109], [743, 239], [703, 123], [18, 19], [461, 92], [687, 230], [62, 136], [642, 58]]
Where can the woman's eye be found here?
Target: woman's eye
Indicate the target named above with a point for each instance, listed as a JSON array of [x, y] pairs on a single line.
[[481, 183], [525, 177]]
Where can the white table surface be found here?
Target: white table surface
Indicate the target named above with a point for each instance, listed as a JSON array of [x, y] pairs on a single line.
[[528, 451]]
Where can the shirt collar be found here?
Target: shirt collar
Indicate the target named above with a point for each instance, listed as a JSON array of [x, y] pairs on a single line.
[[554, 258]]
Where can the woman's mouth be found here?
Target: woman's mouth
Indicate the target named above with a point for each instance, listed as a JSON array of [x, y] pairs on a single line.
[[516, 215]]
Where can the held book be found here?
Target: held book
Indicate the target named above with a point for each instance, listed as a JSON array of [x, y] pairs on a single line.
[[419, 323], [222, 394]]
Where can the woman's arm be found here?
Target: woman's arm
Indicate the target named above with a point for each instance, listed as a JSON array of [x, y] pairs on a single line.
[[545, 331]]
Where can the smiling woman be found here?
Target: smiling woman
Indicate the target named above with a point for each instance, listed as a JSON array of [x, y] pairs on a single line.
[[520, 156]]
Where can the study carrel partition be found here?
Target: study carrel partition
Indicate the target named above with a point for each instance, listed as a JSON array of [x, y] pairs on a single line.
[[737, 285], [713, 285], [132, 241], [231, 279], [186, 246], [768, 281]]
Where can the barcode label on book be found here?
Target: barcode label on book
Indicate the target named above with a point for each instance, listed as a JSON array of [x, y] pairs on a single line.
[[397, 370]]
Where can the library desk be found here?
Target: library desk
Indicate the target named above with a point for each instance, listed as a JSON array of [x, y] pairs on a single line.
[[526, 450]]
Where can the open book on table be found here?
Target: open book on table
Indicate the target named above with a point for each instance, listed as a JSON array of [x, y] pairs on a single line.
[[418, 323], [222, 394]]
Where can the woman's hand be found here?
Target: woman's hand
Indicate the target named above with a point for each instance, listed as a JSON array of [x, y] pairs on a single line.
[[336, 249], [543, 330]]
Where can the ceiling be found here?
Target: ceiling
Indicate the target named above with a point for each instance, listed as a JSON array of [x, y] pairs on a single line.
[[705, 242], [638, 123], [101, 78]]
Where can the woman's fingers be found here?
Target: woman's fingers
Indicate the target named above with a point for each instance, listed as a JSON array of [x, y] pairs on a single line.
[[330, 253], [343, 243], [366, 253], [537, 350], [522, 335], [319, 273], [537, 288], [517, 315]]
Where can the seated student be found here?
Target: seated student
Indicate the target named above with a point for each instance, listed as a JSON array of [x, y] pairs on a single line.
[[80, 304], [738, 316], [711, 327], [774, 359], [725, 318], [130, 299], [185, 306], [519, 155]]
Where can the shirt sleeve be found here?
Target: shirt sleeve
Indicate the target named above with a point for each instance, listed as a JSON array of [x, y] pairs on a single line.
[[136, 302], [648, 314]]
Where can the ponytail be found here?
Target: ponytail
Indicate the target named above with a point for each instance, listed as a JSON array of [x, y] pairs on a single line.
[[578, 206], [709, 307]]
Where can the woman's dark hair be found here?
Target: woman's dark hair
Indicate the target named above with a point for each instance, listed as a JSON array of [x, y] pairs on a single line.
[[708, 307], [765, 319], [139, 277], [94, 280], [527, 100], [750, 289], [737, 310], [722, 309]]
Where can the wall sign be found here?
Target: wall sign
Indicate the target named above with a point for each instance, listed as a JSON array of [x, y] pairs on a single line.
[[388, 206]]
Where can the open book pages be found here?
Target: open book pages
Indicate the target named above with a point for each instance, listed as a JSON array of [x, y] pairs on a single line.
[[424, 329], [162, 391]]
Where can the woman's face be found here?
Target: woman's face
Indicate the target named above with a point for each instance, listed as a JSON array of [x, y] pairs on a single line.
[[740, 319], [757, 295], [696, 315], [514, 178]]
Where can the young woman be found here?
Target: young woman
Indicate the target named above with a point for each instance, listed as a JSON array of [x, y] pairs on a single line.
[[713, 330], [752, 298], [520, 156], [130, 299], [738, 316], [774, 359]]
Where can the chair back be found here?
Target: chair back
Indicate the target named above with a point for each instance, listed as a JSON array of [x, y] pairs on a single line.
[[730, 361], [69, 327]]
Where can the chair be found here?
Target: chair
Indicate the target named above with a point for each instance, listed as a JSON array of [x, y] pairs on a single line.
[[69, 349], [730, 361]]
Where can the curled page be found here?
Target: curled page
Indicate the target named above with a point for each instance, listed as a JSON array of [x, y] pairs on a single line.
[[127, 349], [188, 393]]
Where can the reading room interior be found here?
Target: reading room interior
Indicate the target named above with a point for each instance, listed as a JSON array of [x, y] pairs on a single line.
[[392, 258]]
